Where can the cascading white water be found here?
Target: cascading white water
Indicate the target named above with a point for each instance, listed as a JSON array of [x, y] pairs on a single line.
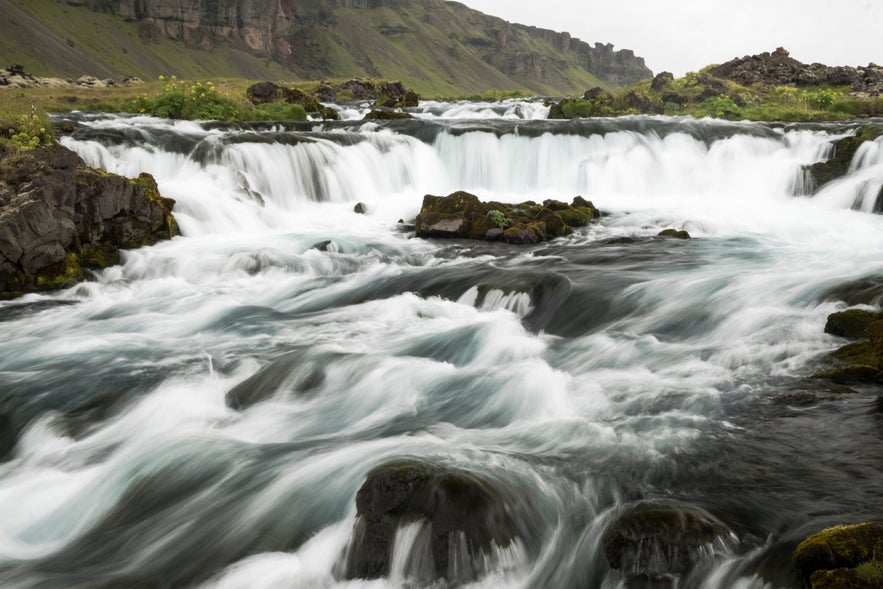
[[584, 374]]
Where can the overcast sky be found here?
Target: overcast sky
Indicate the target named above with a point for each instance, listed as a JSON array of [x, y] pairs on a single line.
[[687, 35]]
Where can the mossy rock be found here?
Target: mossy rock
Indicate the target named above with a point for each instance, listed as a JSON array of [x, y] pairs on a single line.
[[461, 214], [386, 115], [850, 323], [836, 548], [329, 114], [674, 233], [854, 373], [868, 575], [100, 255], [844, 151], [63, 275], [860, 352]]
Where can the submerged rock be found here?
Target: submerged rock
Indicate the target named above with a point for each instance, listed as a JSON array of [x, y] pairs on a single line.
[[58, 217], [458, 520], [658, 541], [386, 115], [677, 234], [463, 215], [831, 557]]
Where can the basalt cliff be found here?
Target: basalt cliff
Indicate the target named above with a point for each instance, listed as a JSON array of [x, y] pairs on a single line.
[[434, 46]]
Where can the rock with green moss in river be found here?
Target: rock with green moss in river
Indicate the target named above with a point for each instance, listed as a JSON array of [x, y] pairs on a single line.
[[60, 218], [463, 215], [843, 556]]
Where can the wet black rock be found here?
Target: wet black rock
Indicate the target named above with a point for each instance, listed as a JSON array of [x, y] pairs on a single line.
[[298, 373], [676, 234], [462, 518], [360, 208], [656, 542]]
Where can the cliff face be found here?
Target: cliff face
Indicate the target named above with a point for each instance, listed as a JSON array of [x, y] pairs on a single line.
[[318, 38]]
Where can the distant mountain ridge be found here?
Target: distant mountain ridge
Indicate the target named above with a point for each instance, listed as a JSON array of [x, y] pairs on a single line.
[[432, 45]]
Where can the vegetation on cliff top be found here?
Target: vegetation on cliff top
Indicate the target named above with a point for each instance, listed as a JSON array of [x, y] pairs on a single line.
[[701, 94]]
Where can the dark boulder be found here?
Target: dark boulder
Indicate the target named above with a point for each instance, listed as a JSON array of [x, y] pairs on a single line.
[[386, 115], [357, 90], [659, 541], [390, 94], [325, 93], [661, 80], [837, 548], [850, 323], [463, 215], [410, 99], [674, 233], [299, 374], [269, 92], [360, 208], [58, 217], [463, 519], [642, 103]]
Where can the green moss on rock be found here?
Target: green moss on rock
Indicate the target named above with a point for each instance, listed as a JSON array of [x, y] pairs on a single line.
[[836, 548], [850, 323], [461, 214], [676, 234]]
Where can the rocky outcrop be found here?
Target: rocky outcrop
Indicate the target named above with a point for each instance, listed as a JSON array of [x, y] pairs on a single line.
[[463, 215], [660, 541], [59, 217], [837, 166], [779, 68], [842, 557], [460, 521]]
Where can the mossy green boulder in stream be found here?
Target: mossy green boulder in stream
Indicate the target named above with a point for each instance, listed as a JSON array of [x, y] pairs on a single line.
[[59, 218], [842, 557], [860, 361], [463, 215]]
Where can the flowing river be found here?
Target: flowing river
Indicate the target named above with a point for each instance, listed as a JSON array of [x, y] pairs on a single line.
[[585, 374]]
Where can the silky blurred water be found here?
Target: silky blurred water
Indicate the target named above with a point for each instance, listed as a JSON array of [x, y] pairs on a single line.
[[582, 374]]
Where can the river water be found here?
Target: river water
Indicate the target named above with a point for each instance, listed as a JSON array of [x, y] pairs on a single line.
[[587, 373]]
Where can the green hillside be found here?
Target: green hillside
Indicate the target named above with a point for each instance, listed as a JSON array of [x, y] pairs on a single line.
[[435, 47]]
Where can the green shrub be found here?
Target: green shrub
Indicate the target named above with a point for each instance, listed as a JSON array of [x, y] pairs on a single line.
[[722, 107], [578, 108], [186, 100], [499, 218], [31, 131], [279, 111]]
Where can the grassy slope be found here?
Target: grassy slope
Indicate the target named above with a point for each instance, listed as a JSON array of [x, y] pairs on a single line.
[[75, 41], [434, 57]]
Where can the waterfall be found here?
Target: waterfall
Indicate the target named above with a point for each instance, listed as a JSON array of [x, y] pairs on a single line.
[[205, 413]]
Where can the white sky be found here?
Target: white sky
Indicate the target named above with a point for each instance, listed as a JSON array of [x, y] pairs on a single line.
[[687, 35]]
